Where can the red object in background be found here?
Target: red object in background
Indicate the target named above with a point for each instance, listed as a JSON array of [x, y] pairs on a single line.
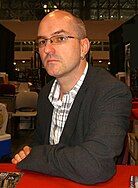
[[135, 99], [134, 104], [134, 111]]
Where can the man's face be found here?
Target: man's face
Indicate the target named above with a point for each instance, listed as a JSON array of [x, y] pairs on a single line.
[[64, 58]]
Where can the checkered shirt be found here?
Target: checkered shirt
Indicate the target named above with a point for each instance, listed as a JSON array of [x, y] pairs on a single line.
[[62, 107]]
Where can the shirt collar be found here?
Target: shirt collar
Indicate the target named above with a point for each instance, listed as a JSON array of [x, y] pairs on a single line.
[[55, 90]]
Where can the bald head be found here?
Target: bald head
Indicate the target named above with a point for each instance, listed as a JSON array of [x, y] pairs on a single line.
[[64, 17]]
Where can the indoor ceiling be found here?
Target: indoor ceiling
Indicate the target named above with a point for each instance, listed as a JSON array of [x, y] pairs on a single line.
[[24, 10]]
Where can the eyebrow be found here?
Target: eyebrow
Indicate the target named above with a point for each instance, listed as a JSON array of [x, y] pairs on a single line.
[[55, 33], [60, 31]]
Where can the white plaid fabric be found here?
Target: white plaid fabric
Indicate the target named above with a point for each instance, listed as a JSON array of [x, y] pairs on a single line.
[[62, 107]]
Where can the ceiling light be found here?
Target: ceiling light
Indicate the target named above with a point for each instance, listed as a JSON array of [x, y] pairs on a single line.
[[45, 6]]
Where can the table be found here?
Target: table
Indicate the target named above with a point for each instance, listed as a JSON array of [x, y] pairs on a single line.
[[38, 180]]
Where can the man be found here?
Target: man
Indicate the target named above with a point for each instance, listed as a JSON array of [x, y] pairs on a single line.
[[82, 114]]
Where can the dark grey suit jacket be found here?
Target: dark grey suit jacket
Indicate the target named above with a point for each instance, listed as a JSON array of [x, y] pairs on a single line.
[[93, 134]]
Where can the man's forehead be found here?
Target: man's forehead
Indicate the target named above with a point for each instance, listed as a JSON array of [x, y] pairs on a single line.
[[55, 22]]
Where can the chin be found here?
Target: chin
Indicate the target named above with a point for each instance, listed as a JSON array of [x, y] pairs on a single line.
[[54, 73]]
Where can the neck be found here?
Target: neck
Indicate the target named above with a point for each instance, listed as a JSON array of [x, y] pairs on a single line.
[[69, 81]]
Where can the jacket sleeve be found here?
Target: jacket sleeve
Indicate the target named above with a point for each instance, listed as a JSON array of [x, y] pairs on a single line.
[[92, 160]]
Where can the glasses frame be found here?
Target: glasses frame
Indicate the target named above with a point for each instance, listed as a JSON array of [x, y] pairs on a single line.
[[51, 40]]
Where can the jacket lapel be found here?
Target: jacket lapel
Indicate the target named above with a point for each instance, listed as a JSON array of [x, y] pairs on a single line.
[[72, 119]]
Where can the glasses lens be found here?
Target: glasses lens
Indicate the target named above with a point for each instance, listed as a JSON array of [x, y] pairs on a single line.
[[58, 39]]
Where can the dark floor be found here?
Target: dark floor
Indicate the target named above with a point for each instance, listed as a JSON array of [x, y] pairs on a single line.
[[20, 138]]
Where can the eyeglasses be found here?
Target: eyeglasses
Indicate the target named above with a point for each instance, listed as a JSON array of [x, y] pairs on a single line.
[[58, 39]]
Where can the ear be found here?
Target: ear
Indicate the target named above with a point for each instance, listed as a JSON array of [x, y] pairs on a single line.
[[85, 46]]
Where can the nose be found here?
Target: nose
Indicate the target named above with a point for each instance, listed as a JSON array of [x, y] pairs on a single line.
[[49, 48]]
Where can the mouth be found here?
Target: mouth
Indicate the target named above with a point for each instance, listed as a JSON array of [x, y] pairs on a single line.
[[51, 60]]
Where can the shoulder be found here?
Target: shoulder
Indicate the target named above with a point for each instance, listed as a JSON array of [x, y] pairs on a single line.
[[101, 80], [101, 76]]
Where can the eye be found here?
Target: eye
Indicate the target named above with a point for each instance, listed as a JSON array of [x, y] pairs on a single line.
[[59, 39], [41, 42]]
